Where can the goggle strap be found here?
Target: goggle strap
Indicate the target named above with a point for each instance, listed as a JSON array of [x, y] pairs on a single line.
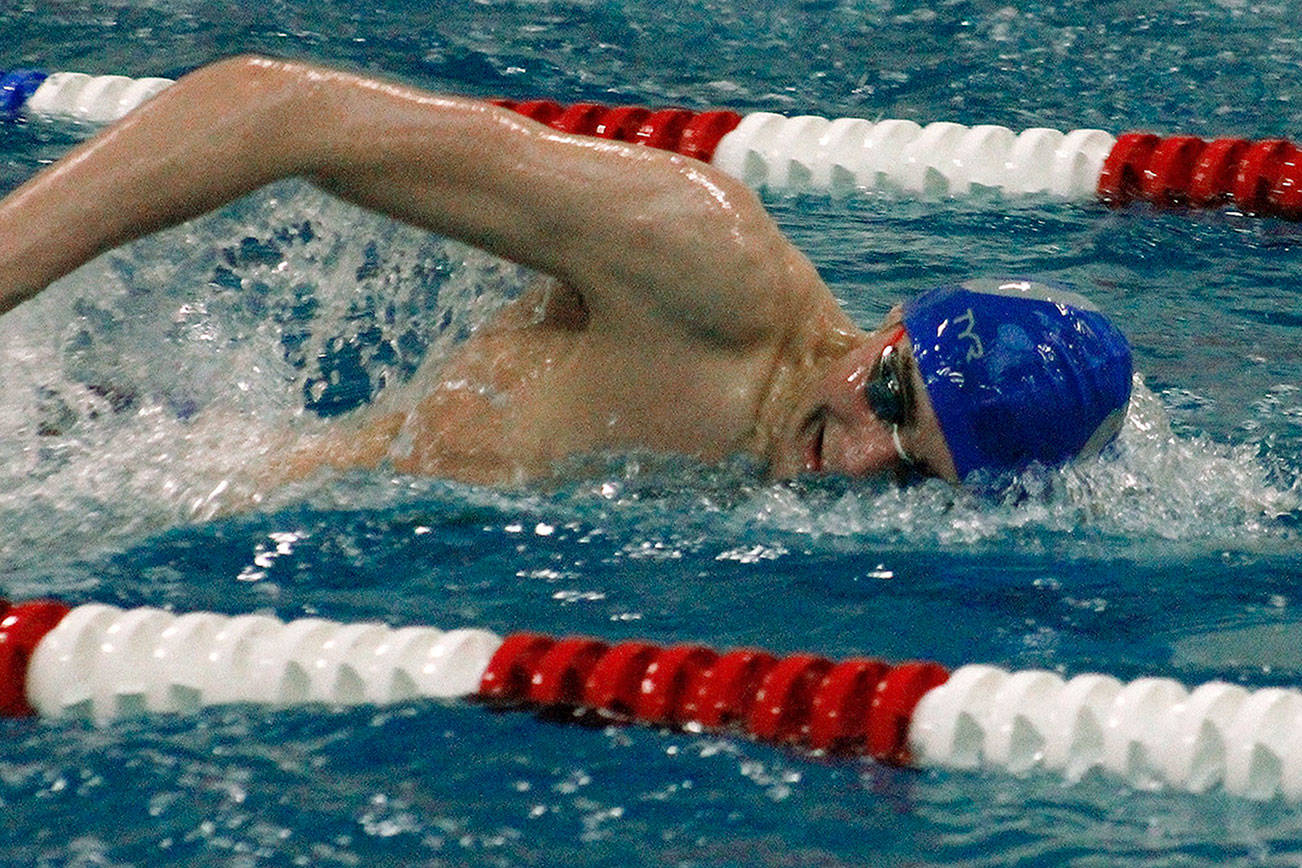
[[899, 447]]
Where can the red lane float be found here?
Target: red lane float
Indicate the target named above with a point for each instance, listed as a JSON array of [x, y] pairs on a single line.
[[1259, 177], [692, 134], [857, 706], [22, 627]]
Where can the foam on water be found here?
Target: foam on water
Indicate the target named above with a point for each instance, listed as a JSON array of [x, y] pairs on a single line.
[[149, 386]]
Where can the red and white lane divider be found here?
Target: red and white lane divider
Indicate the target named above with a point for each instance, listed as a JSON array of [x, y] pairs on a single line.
[[102, 662], [813, 153]]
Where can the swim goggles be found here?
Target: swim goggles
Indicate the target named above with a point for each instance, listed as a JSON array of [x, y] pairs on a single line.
[[890, 393]]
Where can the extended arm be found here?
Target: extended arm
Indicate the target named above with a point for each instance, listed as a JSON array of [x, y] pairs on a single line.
[[643, 234]]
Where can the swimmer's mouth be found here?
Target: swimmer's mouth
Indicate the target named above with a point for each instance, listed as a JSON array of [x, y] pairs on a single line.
[[816, 426]]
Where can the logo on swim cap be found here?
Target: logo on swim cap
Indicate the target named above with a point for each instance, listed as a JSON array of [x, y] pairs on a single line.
[[1019, 372]]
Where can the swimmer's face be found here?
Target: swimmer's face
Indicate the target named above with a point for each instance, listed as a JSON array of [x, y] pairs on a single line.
[[869, 415]]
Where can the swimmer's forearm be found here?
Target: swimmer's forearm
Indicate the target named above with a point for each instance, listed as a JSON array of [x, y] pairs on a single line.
[[209, 139], [232, 127]]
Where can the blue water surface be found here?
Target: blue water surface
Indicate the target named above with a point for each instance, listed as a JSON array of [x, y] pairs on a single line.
[[142, 392]]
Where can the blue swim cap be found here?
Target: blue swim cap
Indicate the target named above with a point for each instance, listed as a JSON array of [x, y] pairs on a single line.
[[1019, 372]]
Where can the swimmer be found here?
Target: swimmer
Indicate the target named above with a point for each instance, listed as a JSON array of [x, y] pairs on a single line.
[[675, 318]]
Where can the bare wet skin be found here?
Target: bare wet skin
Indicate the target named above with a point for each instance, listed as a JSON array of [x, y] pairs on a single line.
[[526, 392]]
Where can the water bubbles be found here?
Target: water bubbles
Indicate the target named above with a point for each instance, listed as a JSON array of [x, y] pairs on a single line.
[[162, 381], [753, 554]]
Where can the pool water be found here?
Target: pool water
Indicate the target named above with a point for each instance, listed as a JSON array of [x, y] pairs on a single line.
[[142, 392]]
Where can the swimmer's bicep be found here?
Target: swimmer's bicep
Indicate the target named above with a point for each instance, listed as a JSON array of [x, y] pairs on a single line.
[[753, 302], [701, 256]]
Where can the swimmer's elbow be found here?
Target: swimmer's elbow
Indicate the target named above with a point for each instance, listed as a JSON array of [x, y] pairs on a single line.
[[271, 107], [251, 76]]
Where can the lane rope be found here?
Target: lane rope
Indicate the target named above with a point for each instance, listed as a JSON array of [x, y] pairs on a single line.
[[841, 156], [101, 662]]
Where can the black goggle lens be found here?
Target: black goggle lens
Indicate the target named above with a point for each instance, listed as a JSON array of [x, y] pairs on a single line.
[[885, 392]]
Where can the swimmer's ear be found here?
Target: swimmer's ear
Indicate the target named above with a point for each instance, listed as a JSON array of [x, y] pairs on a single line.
[[894, 316]]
